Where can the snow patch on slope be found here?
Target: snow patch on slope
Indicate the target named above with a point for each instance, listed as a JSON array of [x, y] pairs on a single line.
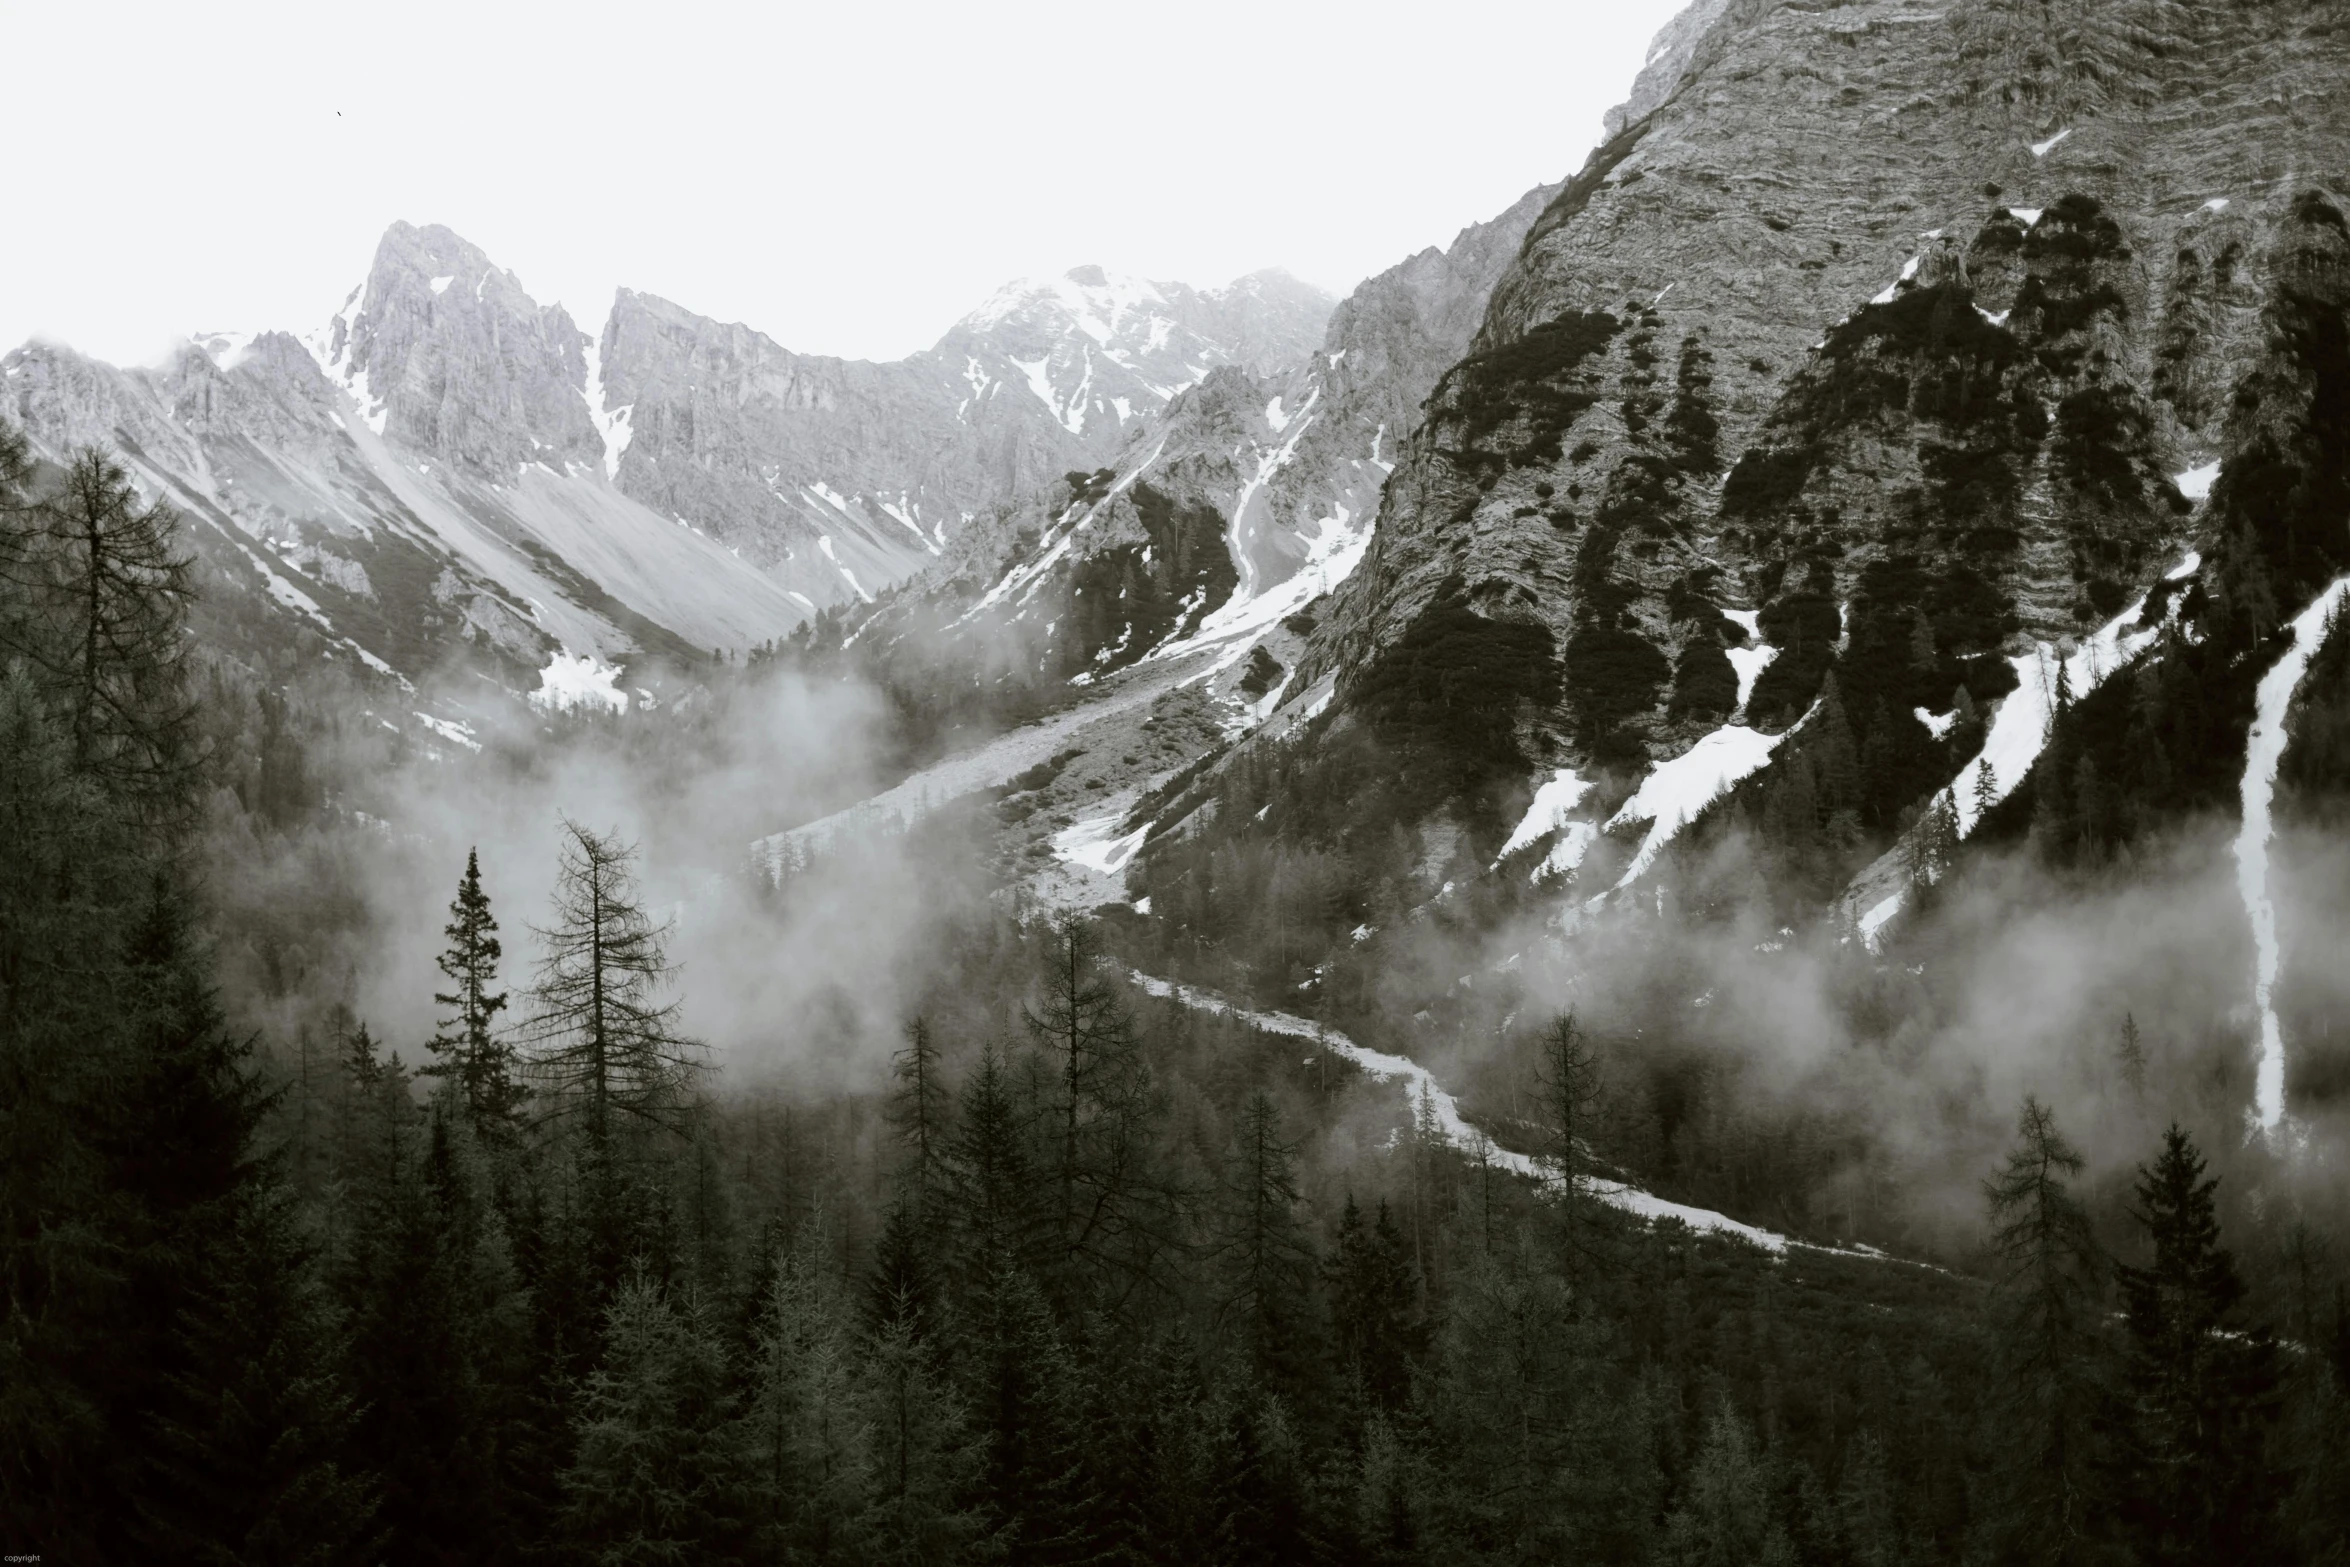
[[1336, 548], [1024, 579], [1748, 663], [1099, 846], [337, 367], [1550, 813], [2020, 728], [1674, 792], [2195, 483], [574, 681], [1268, 465]]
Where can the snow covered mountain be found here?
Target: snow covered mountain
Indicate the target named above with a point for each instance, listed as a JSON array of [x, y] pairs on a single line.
[[1174, 584], [449, 470]]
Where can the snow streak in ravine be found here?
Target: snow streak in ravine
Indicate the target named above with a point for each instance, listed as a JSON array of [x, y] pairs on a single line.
[[1424, 1091], [2262, 751]]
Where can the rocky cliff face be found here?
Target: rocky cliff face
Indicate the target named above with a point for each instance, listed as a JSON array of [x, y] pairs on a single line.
[[414, 485], [1885, 338], [440, 350]]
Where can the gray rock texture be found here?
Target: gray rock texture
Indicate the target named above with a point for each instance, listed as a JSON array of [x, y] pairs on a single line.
[[843, 476], [1952, 288]]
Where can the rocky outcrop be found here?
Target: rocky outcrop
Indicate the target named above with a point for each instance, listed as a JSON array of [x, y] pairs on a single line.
[[442, 351], [1881, 312]]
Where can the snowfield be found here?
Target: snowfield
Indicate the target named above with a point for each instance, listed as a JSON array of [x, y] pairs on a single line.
[[1098, 846], [2019, 730], [2021, 727], [573, 681]]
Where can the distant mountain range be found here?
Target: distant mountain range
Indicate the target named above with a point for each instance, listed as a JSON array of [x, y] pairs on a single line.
[[449, 471]]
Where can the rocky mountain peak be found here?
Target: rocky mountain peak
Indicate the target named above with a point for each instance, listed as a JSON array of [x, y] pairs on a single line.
[[443, 350], [1101, 349]]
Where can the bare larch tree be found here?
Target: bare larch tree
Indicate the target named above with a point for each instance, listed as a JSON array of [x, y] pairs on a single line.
[[601, 1050]]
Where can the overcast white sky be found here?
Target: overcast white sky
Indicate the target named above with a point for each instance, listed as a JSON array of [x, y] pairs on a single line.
[[848, 178]]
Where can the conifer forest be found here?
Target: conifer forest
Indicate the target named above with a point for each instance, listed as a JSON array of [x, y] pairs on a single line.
[[1078, 1274]]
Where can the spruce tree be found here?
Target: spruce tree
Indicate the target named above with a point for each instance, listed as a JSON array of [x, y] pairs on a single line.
[[467, 1049], [1933, 850], [251, 1429], [1540, 1451], [2129, 1054], [66, 882], [997, 1213], [914, 1231], [903, 1288], [166, 1351], [1986, 791], [2196, 1479], [659, 1469], [1837, 750], [433, 1342], [228, 1443], [2048, 1308], [804, 1435], [923, 1461], [1376, 1332], [1263, 1255], [1725, 1517], [1022, 1391]]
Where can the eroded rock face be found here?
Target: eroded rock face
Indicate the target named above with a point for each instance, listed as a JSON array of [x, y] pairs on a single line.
[[444, 352], [1888, 322]]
